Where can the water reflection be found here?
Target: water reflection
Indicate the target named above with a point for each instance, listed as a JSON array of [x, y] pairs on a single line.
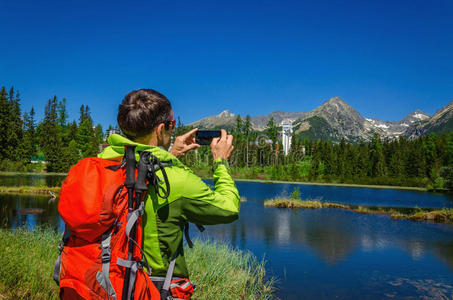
[[353, 254], [28, 211], [325, 253], [31, 180], [348, 195]]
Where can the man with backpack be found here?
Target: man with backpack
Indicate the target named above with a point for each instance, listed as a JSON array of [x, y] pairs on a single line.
[[176, 197]]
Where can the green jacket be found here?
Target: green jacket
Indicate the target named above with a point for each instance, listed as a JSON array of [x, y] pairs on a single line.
[[190, 200]]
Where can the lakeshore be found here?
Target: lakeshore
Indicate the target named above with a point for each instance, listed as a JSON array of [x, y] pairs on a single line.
[[407, 188], [204, 175], [44, 190], [30, 190], [7, 173]]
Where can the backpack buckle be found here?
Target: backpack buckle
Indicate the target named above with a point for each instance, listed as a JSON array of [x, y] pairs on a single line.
[[106, 255]]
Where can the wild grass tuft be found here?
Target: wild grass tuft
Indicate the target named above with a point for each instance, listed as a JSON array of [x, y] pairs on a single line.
[[222, 272], [27, 259]]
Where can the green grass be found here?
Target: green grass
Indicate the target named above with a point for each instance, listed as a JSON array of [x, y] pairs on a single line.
[[293, 203], [220, 272], [30, 190], [40, 173], [26, 261]]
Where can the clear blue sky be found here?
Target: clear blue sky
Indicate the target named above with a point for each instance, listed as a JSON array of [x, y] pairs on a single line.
[[385, 58]]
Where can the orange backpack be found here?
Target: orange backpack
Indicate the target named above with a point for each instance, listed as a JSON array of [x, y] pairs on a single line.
[[94, 251]]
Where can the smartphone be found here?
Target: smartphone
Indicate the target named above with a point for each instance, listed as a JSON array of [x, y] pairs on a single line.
[[204, 137]]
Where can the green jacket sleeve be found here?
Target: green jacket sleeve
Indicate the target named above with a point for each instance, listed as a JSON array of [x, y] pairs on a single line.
[[208, 207]]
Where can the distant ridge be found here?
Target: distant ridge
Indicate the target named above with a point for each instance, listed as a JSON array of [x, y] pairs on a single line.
[[336, 119], [227, 120]]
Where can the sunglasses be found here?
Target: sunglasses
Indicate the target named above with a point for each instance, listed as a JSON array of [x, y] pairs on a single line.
[[172, 122]]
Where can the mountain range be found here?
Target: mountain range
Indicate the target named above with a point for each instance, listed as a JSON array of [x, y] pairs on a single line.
[[335, 119]]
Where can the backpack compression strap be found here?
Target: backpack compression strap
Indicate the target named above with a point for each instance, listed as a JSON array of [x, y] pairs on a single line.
[[57, 266], [103, 276]]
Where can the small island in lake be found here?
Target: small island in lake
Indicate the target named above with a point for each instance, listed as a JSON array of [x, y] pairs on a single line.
[[294, 201]]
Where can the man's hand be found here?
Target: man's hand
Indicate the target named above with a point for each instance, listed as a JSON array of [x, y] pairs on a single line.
[[223, 146], [184, 143]]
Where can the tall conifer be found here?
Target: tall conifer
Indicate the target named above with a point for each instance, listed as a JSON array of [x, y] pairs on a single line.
[[50, 139], [5, 111]]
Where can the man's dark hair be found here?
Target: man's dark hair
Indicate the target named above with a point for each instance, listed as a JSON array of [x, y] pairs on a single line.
[[141, 111]]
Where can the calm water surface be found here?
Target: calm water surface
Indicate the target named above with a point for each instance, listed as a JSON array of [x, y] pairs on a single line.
[[322, 254]]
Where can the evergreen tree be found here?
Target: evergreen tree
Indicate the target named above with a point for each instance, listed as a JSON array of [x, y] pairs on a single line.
[[71, 132], [29, 140], [429, 147], [82, 114], [247, 130], [416, 164], [329, 159], [99, 135], [396, 164], [315, 168], [62, 113], [14, 141], [272, 130], [85, 136], [377, 157], [85, 114], [5, 111], [363, 165], [70, 155], [238, 128], [50, 139]]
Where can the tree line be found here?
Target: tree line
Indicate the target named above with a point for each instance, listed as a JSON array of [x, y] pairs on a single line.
[[26, 142], [425, 162]]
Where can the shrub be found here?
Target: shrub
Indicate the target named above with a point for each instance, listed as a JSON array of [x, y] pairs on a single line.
[[295, 194]]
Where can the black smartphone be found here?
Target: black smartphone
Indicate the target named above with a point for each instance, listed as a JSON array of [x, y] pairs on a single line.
[[204, 137]]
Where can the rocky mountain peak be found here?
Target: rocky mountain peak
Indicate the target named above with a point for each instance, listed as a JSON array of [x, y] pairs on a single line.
[[337, 106], [418, 114], [225, 114], [335, 101], [414, 116]]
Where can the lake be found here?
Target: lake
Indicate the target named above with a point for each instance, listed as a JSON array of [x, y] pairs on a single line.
[[325, 253]]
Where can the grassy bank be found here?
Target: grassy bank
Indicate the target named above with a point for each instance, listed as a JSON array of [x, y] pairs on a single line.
[[220, 272], [36, 173], [444, 215], [238, 176], [30, 190]]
